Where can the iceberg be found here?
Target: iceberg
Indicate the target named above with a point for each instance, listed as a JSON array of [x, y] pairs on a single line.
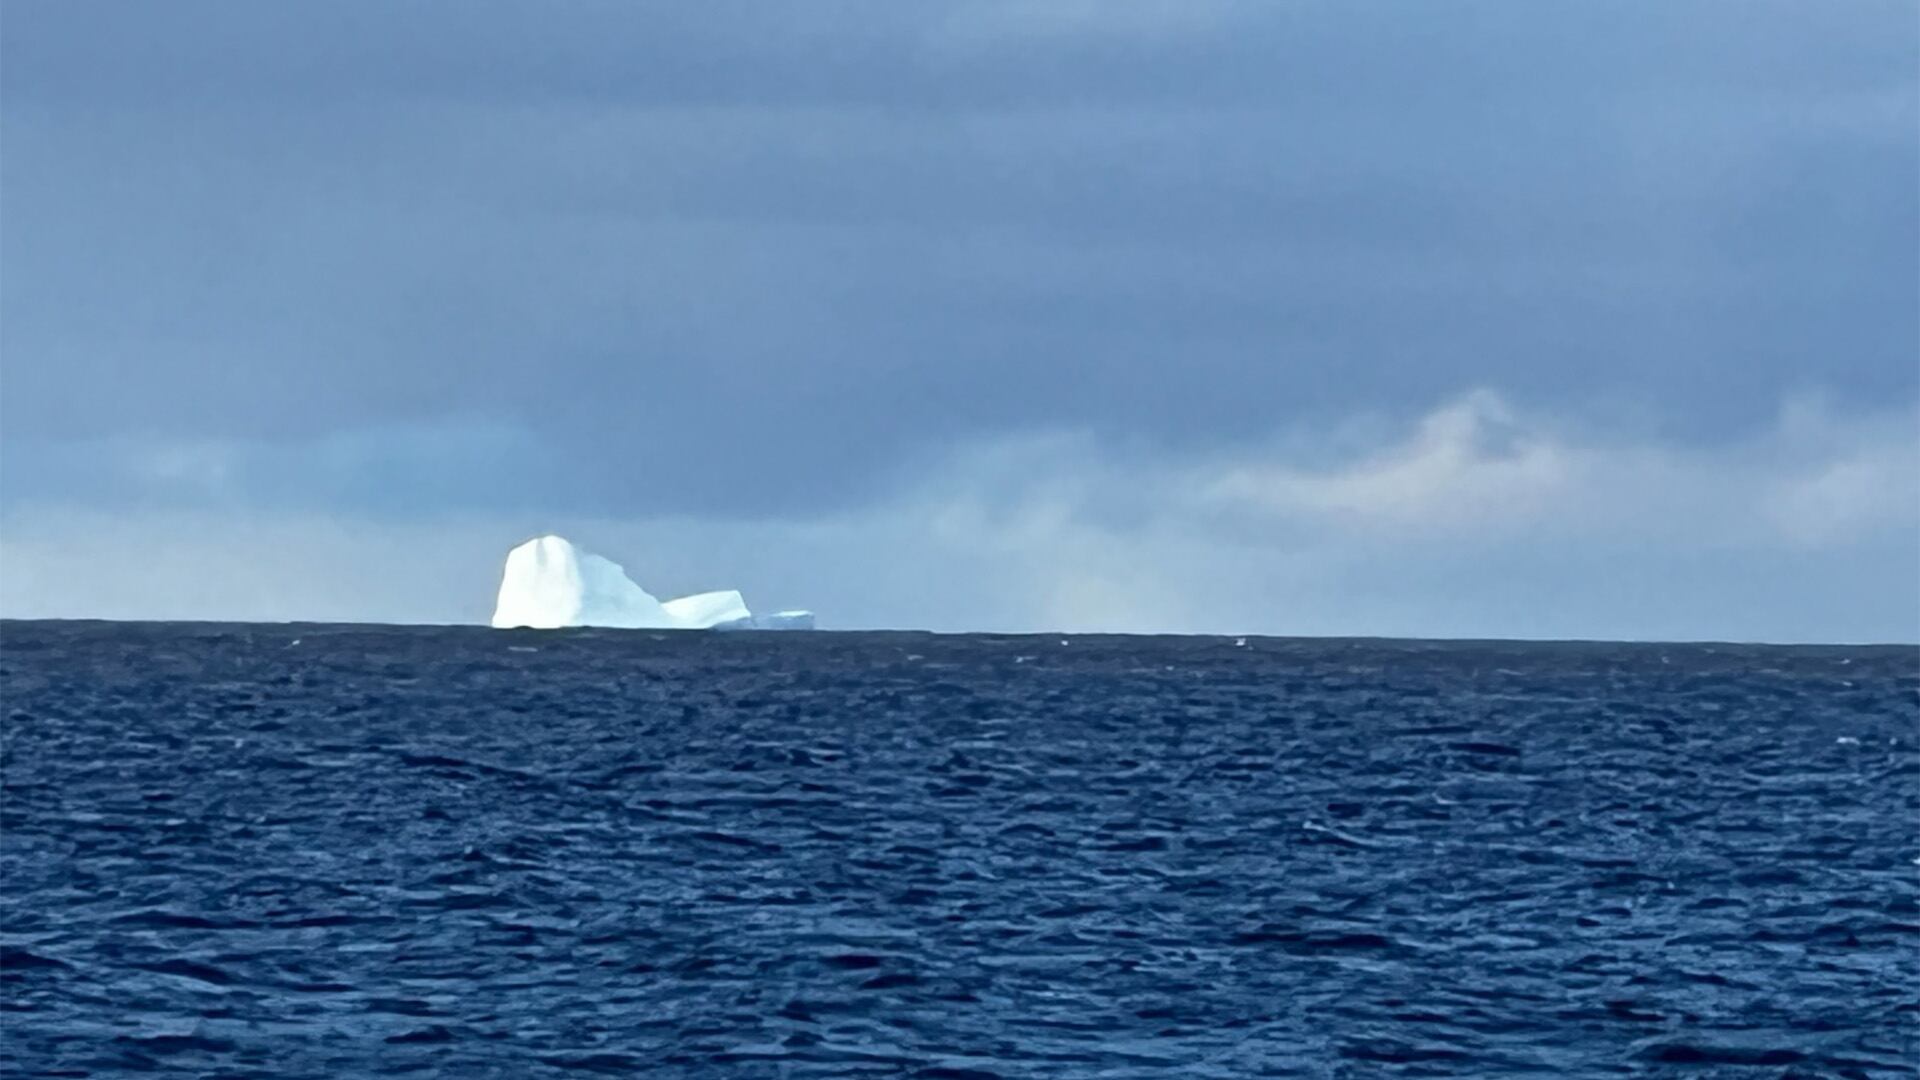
[[708, 609], [549, 583], [779, 620]]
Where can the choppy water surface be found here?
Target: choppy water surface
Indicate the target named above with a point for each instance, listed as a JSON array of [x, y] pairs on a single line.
[[309, 851]]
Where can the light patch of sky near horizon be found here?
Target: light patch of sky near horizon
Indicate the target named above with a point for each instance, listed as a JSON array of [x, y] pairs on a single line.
[[1477, 519]]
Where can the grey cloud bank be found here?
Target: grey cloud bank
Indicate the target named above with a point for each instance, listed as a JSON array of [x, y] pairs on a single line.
[[1133, 316], [1477, 521]]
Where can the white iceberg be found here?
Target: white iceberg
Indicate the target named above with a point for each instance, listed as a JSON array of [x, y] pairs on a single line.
[[708, 609], [549, 583], [779, 620]]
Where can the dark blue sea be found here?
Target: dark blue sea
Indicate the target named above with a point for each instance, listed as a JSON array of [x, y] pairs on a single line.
[[280, 851]]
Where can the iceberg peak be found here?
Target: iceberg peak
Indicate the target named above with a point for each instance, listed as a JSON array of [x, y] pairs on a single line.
[[549, 583]]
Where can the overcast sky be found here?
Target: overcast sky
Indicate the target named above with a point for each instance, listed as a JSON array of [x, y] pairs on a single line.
[[1461, 319]]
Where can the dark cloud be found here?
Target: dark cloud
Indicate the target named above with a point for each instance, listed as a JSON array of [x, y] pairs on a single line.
[[751, 259]]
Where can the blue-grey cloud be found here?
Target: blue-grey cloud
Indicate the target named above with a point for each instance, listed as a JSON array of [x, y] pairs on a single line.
[[769, 264], [1483, 518]]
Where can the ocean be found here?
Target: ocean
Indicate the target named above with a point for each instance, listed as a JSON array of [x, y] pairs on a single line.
[[326, 851]]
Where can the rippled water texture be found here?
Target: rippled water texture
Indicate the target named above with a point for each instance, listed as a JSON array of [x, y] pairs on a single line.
[[312, 851]]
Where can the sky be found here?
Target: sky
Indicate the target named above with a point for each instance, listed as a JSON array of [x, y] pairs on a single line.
[[1476, 319]]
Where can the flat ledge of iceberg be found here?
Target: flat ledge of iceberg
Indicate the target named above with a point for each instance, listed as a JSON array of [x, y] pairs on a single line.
[[549, 583]]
